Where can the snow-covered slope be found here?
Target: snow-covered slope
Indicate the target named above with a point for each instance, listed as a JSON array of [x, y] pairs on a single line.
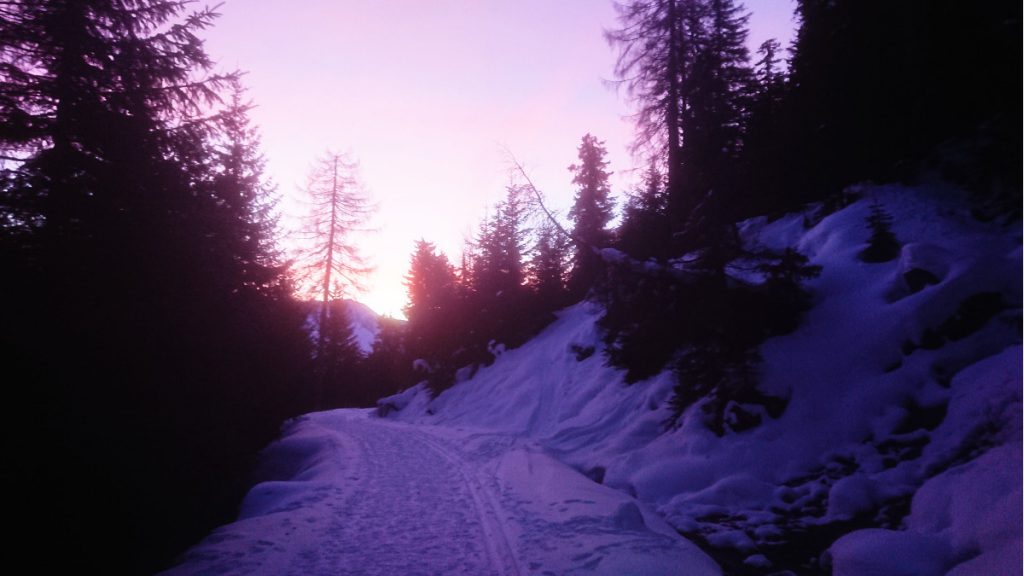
[[365, 324], [904, 388], [364, 321]]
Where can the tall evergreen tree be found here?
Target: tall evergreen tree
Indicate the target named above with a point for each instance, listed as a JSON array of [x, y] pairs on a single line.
[[684, 64], [248, 200], [499, 264], [714, 122], [765, 157], [120, 245], [591, 212], [656, 52], [548, 266], [437, 314]]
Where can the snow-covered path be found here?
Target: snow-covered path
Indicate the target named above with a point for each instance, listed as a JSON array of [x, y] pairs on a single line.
[[357, 495]]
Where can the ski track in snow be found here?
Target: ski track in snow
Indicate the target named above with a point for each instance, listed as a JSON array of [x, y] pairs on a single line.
[[374, 498], [401, 508], [431, 528]]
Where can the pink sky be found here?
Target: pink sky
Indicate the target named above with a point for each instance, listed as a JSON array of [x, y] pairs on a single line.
[[427, 95]]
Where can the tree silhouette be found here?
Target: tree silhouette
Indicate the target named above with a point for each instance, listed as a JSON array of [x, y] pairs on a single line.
[[684, 63], [128, 245], [591, 211], [548, 266], [644, 232], [248, 200], [330, 260], [437, 314]]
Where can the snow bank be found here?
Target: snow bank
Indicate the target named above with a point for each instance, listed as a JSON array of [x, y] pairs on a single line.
[[889, 352]]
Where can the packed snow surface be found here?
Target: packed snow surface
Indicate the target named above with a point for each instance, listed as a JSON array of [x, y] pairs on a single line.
[[353, 494]]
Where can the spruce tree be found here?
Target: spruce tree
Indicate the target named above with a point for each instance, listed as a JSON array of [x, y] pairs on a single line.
[[436, 313], [656, 43], [684, 65], [248, 200], [591, 211], [499, 266], [714, 124], [644, 232], [548, 266], [120, 245]]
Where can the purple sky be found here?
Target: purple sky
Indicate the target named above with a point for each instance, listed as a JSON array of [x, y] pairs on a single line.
[[427, 95]]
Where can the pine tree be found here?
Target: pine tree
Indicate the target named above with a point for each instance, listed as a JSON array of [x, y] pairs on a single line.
[[498, 264], [590, 213], [430, 283], [119, 247], [248, 201], [765, 158], [339, 358], [437, 315], [656, 52], [389, 366], [548, 266], [644, 232], [684, 64], [714, 121]]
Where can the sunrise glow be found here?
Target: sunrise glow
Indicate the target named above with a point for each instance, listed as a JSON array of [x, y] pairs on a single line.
[[430, 97]]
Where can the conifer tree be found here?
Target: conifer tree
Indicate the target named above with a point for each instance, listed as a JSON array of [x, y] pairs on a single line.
[[330, 258], [122, 244], [248, 200], [656, 50], [436, 313], [548, 266], [644, 232], [714, 123], [765, 157], [498, 265], [591, 211], [684, 64]]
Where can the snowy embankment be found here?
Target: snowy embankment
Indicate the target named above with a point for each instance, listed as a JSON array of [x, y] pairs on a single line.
[[904, 388], [351, 494]]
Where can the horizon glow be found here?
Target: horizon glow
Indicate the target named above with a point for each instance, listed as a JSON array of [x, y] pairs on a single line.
[[427, 97]]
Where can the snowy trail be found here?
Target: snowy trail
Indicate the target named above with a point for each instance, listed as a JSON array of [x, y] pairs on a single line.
[[361, 496]]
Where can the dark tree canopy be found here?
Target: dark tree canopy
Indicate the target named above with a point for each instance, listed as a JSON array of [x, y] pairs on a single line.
[[153, 331], [684, 64]]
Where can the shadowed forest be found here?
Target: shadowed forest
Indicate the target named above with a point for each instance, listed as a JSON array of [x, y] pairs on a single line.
[[147, 288]]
